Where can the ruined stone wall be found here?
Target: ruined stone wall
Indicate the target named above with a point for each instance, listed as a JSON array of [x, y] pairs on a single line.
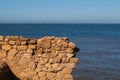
[[48, 58]]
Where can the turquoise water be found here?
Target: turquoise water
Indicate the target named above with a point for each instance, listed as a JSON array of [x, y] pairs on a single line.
[[99, 45]]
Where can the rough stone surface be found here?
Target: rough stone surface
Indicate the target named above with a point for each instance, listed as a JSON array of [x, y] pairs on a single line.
[[48, 58], [6, 47], [1, 37]]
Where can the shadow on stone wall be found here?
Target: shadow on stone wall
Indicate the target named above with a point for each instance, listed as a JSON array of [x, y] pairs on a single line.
[[6, 73]]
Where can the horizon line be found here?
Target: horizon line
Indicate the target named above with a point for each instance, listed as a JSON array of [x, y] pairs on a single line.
[[58, 23]]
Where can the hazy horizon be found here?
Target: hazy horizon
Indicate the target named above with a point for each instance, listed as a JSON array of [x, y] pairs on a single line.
[[63, 11]]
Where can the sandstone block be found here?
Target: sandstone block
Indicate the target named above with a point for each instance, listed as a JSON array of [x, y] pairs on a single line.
[[45, 69], [51, 75], [67, 71], [60, 75], [26, 55], [32, 46], [23, 39], [51, 61], [74, 60], [59, 43], [31, 65], [54, 44], [45, 55], [11, 54], [53, 55], [6, 47], [65, 44], [42, 74], [12, 38], [32, 41], [14, 46], [69, 50], [22, 47], [43, 61], [55, 66], [62, 55], [38, 69], [53, 51], [53, 41], [71, 44], [48, 65], [4, 43], [31, 73], [59, 68], [39, 51], [57, 48], [1, 37], [3, 54], [43, 78], [65, 60], [70, 65], [29, 51], [50, 70], [44, 43], [18, 42], [6, 39], [69, 55], [57, 60], [23, 42], [11, 42], [46, 50], [68, 76], [35, 78]]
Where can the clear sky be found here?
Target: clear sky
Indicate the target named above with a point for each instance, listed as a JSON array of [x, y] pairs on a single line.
[[59, 11]]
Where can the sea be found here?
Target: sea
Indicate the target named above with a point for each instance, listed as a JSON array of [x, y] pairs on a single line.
[[99, 55]]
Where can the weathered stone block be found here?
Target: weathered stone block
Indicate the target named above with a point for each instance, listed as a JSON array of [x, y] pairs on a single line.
[[70, 65], [67, 71], [51, 75], [69, 50], [43, 78], [6, 47], [31, 65], [32, 46], [11, 54], [3, 54], [71, 44], [32, 41], [11, 42], [43, 61], [74, 60], [23, 42], [22, 47], [42, 74], [1, 37], [69, 55], [23, 39], [44, 43], [68, 76], [29, 51], [39, 51], [18, 42], [65, 60], [35, 77]]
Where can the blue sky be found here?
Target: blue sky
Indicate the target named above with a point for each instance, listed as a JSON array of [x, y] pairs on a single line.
[[59, 11]]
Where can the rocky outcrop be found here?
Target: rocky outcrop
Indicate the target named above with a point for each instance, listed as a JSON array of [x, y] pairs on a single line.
[[48, 58]]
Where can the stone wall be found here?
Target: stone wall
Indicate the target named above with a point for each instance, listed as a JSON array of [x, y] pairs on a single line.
[[48, 58]]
